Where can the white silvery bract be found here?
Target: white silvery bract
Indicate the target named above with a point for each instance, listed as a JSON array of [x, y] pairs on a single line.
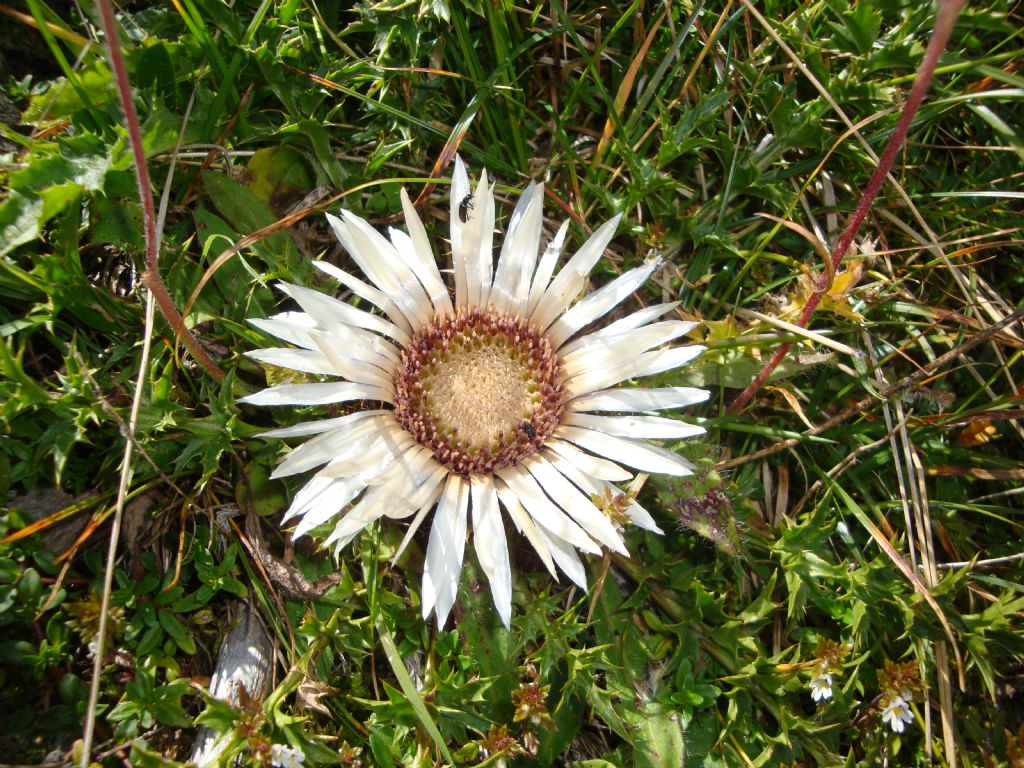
[[489, 402]]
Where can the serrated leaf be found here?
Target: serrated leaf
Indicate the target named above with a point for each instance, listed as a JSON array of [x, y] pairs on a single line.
[[219, 715], [42, 190], [705, 110], [60, 101]]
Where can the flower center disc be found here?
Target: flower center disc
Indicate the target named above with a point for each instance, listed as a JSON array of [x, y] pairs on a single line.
[[480, 389]]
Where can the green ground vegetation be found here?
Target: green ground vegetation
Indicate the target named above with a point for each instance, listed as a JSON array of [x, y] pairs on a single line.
[[839, 525]]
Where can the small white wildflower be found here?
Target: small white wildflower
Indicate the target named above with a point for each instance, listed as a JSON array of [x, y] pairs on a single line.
[[821, 687], [286, 757], [897, 714]]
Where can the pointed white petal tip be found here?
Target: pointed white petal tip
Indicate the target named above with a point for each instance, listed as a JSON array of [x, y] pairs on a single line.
[[547, 497]]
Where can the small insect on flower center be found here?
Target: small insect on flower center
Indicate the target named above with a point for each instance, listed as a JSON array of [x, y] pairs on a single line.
[[482, 390]]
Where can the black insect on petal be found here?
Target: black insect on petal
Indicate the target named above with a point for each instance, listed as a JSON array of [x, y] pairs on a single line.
[[465, 207]]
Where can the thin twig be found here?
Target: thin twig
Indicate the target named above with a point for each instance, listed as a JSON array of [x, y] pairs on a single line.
[[992, 561], [948, 12], [115, 532], [151, 275], [154, 285]]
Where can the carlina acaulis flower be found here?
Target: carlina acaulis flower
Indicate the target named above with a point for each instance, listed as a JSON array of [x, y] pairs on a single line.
[[489, 400]]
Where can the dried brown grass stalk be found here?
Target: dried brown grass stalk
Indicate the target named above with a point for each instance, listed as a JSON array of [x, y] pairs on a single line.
[[948, 12], [156, 295]]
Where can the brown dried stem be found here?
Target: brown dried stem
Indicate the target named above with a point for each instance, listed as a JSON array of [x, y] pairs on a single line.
[[944, 23], [151, 275]]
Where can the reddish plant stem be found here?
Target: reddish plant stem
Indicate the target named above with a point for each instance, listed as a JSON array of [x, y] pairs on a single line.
[[944, 23], [151, 275]]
